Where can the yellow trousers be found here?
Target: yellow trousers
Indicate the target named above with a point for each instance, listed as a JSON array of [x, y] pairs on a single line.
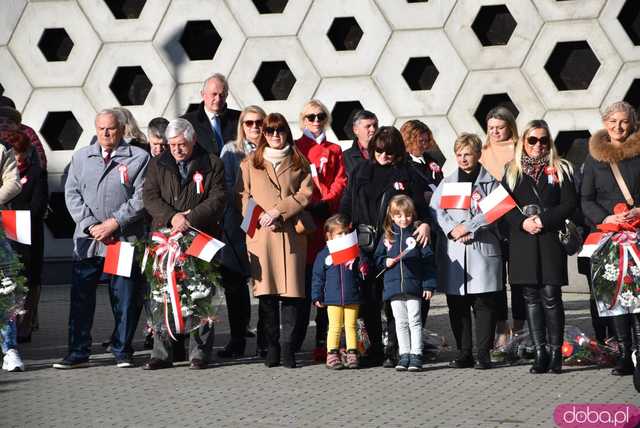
[[342, 316]]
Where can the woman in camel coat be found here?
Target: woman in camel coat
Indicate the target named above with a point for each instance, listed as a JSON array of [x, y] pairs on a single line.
[[278, 179]]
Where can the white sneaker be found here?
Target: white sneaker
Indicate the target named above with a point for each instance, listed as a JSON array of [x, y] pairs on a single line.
[[12, 361]]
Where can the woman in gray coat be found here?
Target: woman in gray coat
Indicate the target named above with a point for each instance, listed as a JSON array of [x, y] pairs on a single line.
[[469, 257]]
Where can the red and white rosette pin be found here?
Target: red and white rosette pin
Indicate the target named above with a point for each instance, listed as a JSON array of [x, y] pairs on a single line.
[[24, 180], [398, 185], [197, 178], [475, 198], [124, 174], [435, 169], [552, 175]]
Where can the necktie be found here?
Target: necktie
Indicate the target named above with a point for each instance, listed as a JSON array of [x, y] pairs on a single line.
[[183, 169], [217, 131], [107, 157]]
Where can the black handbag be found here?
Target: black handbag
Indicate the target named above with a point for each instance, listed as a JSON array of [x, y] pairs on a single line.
[[570, 238], [368, 234]]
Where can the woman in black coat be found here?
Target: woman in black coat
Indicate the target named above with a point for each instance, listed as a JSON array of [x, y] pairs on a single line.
[[541, 184], [371, 185], [33, 196], [618, 143]]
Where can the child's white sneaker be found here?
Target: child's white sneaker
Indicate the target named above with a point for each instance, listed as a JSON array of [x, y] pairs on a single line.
[[12, 361]]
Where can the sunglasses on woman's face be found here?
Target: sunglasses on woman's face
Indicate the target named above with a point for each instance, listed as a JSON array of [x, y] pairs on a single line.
[[251, 123], [385, 151], [312, 117], [532, 141], [273, 131]]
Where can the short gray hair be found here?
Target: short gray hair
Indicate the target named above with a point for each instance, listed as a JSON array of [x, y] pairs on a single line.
[[119, 116], [178, 127], [219, 77], [624, 107]]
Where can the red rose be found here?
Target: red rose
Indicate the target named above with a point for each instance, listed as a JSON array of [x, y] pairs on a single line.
[[627, 280], [567, 349], [620, 208], [180, 275]]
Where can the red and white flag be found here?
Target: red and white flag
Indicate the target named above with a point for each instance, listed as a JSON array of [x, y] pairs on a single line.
[[119, 259], [456, 196], [204, 247], [314, 175], [592, 243], [496, 204], [344, 248], [17, 225], [251, 217]]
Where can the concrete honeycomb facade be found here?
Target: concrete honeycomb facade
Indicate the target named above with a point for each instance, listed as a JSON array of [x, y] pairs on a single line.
[[445, 62]]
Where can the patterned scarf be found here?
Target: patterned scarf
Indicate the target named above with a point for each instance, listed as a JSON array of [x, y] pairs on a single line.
[[533, 167]]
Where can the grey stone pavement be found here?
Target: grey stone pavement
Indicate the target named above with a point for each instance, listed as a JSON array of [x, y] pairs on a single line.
[[246, 393]]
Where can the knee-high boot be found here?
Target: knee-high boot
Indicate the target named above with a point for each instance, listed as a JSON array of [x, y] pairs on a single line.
[[535, 320], [622, 327], [635, 326], [554, 316]]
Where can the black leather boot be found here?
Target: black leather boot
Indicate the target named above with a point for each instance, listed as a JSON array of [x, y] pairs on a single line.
[[273, 356], [535, 320], [288, 356], [635, 327], [622, 328], [554, 318], [233, 349], [555, 362]]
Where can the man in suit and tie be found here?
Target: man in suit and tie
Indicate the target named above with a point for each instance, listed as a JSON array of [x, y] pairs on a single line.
[[214, 123]]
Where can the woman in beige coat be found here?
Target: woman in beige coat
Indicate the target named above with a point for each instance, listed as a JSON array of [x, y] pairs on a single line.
[[278, 179]]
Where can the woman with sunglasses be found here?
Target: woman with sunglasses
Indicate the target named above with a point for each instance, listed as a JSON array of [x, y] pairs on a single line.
[[276, 178], [233, 256], [618, 143], [542, 185], [372, 184], [329, 184], [497, 151]]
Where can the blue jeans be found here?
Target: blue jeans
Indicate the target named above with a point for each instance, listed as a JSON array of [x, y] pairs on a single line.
[[126, 296], [9, 334]]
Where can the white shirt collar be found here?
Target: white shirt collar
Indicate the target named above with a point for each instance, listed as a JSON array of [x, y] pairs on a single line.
[[319, 139], [418, 159], [211, 115]]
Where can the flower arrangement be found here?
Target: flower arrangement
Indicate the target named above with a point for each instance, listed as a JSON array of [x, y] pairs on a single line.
[[181, 287], [13, 288], [580, 350]]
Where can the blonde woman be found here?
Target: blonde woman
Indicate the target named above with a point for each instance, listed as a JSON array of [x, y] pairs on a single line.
[[330, 182], [497, 151], [541, 184]]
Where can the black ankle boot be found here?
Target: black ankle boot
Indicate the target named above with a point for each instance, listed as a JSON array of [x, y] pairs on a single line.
[[273, 356], [288, 356], [537, 330], [555, 363], [624, 365]]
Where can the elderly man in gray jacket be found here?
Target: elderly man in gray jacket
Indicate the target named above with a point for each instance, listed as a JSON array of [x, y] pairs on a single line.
[[103, 193]]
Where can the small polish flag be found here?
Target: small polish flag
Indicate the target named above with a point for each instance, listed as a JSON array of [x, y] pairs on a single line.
[[119, 259], [344, 248], [204, 247], [250, 221], [456, 196], [592, 243], [496, 204], [17, 225]]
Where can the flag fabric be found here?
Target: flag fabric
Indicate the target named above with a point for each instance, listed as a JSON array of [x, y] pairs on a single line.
[[592, 243], [314, 175], [250, 221], [456, 196], [204, 247], [119, 259], [344, 248], [17, 225], [496, 204]]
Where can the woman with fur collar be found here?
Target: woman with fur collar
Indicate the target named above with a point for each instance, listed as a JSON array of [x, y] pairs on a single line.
[[618, 143]]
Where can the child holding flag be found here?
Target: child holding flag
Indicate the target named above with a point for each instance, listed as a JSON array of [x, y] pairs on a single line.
[[409, 276], [338, 273]]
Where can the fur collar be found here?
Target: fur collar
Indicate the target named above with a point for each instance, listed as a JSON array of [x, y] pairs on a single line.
[[602, 150]]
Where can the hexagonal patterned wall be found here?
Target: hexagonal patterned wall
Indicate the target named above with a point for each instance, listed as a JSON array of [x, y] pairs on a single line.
[[445, 62]]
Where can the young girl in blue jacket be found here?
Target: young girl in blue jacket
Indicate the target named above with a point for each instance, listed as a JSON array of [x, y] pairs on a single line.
[[338, 289], [409, 276]]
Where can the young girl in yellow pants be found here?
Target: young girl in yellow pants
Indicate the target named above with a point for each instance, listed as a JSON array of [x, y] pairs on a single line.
[[337, 287]]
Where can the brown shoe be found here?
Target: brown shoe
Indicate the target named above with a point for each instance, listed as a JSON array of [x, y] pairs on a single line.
[[198, 364], [157, 364]]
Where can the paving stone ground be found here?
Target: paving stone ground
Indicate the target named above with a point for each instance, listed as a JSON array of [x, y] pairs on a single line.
[[246, 393]]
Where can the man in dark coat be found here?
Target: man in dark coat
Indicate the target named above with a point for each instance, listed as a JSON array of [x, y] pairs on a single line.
[[213, 121], [365, 124], [170, 196]]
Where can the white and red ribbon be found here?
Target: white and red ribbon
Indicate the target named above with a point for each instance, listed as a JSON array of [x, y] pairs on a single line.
[[197, 178], [398, 185], [552, 175], [124, 174], [627, 246], [435, 169]]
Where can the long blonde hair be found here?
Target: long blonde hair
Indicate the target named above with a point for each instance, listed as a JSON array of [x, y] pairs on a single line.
[[239, 143], [514, 168], [504, 114], [398, 204], [131, 128]]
